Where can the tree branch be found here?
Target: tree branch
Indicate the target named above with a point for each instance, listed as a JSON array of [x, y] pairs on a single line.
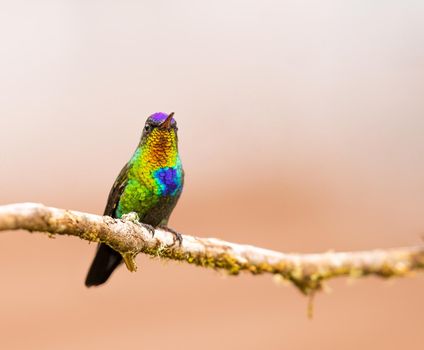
[[129, 237]]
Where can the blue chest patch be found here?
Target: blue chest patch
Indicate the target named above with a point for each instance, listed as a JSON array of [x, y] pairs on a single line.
[[169, 180]]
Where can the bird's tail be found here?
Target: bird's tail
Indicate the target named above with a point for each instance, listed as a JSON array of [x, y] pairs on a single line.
[[104, 263]]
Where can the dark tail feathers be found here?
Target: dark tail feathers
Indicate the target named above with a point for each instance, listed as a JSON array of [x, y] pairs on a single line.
[[104, 263]]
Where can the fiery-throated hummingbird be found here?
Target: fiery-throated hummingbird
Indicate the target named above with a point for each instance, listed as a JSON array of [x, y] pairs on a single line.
[[150, 185]]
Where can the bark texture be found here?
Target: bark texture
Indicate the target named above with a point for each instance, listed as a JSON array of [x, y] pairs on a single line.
[[129, 238]]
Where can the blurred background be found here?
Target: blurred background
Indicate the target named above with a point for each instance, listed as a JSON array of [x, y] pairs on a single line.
[[301, 130]]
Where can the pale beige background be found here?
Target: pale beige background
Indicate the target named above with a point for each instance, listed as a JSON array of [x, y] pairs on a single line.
[[301, 128]]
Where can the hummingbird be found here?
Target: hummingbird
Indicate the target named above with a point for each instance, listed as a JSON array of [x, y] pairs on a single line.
[[150, 185]]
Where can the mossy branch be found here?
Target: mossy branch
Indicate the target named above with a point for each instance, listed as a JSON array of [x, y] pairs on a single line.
[[129, 237]]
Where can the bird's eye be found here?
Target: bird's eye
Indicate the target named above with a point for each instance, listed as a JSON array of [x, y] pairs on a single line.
[[147, 128]]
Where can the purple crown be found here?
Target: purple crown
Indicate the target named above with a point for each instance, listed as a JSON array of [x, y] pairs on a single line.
[[159, 117]]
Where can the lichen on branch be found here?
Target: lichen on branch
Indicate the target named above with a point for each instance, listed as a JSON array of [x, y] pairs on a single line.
[[129, 238]]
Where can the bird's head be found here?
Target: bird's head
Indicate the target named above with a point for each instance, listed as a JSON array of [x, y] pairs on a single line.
[[159, 136], [160, 122]]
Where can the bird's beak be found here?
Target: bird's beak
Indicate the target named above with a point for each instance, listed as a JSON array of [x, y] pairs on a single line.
[[166, 124]]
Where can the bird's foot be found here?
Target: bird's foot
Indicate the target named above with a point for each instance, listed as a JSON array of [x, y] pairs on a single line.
[[133, 217], [177, 236], [150, 228]]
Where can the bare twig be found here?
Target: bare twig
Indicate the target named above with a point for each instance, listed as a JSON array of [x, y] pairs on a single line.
[[129, 237]]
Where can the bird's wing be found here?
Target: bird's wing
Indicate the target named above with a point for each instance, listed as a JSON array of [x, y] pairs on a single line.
[[106, 259], [116, 191]]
